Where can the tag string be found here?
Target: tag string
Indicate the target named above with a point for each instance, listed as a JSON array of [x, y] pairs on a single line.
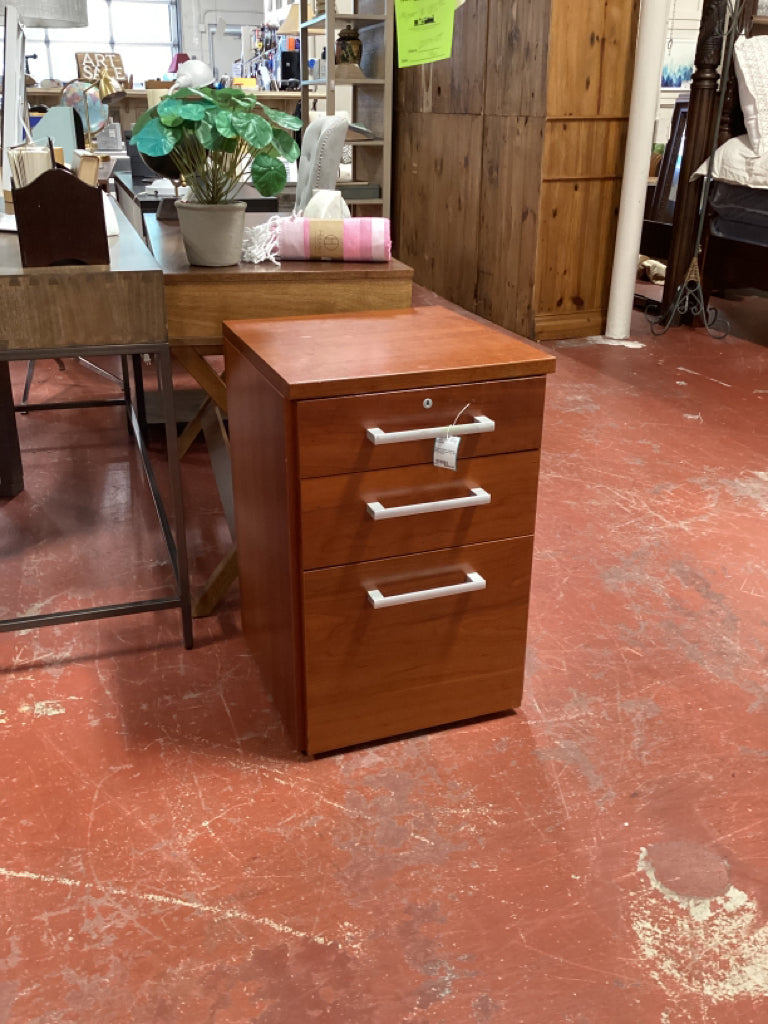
[[452, 425]]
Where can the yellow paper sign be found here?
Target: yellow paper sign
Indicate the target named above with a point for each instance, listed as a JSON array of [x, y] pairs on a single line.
[[424, 31]]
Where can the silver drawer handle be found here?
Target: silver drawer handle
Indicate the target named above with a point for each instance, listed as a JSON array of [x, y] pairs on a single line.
[[477, 496], [479, 425], [474, 582]]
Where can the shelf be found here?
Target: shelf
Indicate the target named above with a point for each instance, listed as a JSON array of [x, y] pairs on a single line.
[[361, 20], [340, 80], [369, 99], [309, 82]]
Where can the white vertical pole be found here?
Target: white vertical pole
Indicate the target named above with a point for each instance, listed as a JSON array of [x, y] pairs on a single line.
[[649, 54]]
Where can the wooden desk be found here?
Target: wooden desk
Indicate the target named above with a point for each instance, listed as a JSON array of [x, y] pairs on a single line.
[[135, 197], [88, 310], [199, 299]]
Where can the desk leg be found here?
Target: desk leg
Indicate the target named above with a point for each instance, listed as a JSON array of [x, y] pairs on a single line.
[[209, 420], [11, 471], [165, 384]]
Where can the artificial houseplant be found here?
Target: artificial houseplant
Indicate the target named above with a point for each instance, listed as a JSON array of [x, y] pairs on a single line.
[[218, 139]]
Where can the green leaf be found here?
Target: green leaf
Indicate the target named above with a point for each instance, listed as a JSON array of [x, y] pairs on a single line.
[[285, 144], [206, 134], [195, 111], [171, 112], [268, 174], [146, 117], [208, 137], [198, 95], [237, 96], [253, 128], [156, 139], [283, 119], [222, 121]]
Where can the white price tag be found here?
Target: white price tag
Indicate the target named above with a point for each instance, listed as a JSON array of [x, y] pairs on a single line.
[[446, 452]]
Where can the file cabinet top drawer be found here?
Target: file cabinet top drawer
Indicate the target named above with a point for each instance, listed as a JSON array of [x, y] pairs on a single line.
[[366, 432], [346, 353]]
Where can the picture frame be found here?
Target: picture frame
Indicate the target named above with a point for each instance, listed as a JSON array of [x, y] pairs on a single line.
[[677, 68], [664, 195]]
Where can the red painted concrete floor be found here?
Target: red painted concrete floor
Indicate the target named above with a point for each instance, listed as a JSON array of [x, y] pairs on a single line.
[[598, 857]]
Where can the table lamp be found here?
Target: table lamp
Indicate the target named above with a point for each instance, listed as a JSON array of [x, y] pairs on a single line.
[[110, 90]]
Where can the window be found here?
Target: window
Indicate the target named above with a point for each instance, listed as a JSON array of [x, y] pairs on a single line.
[[144, 32]]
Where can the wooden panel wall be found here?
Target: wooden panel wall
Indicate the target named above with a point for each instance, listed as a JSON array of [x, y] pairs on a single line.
[[589, 87], [436, 200], [509, 221], [523, 131], [452, 86], [516, 78]]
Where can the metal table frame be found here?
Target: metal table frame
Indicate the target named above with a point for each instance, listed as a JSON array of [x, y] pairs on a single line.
[[176, 547]]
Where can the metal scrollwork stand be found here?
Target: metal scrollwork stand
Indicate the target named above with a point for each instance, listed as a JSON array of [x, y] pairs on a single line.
[[688, 299]]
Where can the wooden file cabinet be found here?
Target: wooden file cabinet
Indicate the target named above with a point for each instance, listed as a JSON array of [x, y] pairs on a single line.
[[367, 624]]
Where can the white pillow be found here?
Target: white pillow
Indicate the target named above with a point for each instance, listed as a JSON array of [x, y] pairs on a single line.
[[735, 161], [750, 58]]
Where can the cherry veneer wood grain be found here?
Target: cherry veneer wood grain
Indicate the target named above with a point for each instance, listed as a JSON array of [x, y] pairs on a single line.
[[382, 672], [332, 431], [336, 526], [309, 357]]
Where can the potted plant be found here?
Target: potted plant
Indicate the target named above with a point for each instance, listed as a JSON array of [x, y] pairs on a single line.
[[216, 139]]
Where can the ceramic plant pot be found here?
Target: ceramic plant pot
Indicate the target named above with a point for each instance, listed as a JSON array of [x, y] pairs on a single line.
[[212, 233]]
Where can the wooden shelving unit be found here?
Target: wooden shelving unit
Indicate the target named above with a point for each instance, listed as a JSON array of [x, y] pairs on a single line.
[[371, 102]]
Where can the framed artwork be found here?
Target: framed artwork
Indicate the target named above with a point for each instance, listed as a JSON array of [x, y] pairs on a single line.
[[677, 69], [665, 193]]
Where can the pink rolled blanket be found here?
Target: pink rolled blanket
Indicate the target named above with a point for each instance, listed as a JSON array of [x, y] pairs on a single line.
[[355, 239]]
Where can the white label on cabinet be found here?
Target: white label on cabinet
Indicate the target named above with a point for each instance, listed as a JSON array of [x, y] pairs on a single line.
[[446, 452]]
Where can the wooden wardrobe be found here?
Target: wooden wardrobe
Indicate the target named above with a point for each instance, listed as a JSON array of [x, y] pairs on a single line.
[[509, 158]]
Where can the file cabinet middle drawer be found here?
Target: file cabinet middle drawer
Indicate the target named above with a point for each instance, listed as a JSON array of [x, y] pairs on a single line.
[[364, 516]]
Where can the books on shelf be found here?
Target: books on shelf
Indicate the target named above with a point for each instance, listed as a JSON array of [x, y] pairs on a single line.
[[359, 189]]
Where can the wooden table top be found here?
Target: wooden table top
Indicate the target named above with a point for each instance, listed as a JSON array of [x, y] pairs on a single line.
[[127, 253], [168, 249]]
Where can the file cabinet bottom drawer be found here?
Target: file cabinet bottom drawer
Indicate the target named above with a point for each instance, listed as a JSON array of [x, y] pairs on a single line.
[[408, 643]]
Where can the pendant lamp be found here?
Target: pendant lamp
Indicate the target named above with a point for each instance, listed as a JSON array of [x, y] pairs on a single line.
[[52, 13]]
